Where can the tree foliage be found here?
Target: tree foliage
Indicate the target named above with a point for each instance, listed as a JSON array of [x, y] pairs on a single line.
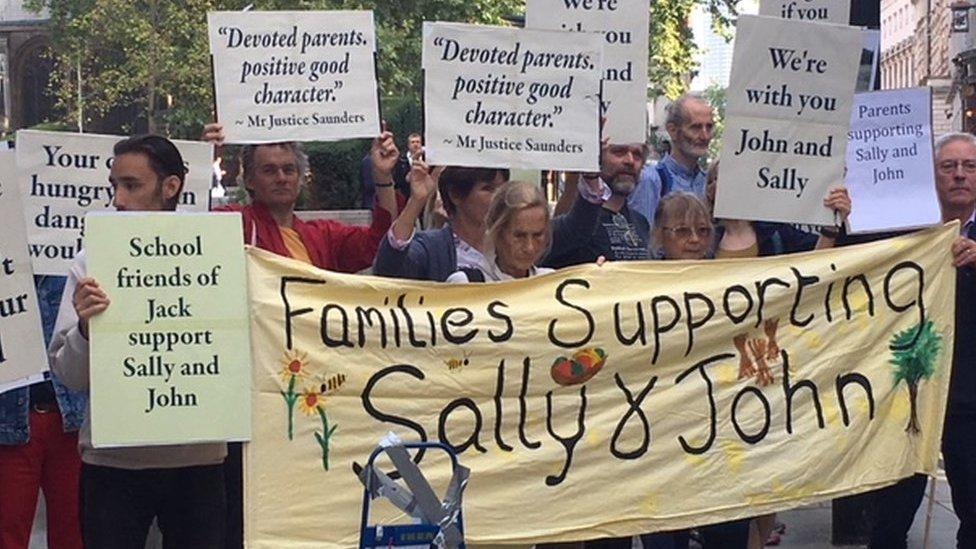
[[672, 46], [146, 62], [149, 60], [915, 352]]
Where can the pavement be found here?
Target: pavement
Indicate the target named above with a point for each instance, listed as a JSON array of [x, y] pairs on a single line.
[[806, 527]]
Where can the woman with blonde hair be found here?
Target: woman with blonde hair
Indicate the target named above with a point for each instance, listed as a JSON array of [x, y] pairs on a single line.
[[518, 235]]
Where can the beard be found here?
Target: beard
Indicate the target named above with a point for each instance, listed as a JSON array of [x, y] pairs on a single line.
[[623, 185], [692, 150]]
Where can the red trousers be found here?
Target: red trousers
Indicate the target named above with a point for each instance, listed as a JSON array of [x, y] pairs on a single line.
[[49, 462]]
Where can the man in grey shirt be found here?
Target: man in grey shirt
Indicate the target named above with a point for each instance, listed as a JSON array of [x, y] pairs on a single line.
[[124, 489]]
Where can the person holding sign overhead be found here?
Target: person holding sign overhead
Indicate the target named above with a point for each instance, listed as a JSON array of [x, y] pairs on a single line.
[[273, 175], [124, 489], [620, 233]]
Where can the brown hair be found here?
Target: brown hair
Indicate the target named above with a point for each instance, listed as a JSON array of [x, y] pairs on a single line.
[[508, 201]]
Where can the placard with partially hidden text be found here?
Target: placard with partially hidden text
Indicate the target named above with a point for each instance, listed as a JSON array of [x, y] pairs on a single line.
[[295, 75], [21, 339], [513, 98], [789, 104], [170, 357], [889, 161], [824, 11], [63, 176], [623, 24]]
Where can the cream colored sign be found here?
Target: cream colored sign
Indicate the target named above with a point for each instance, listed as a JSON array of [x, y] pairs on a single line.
[[624, 28], [63, 176], [823, 11], [21, 339], [515, 98], [609, 401], [789, 104]]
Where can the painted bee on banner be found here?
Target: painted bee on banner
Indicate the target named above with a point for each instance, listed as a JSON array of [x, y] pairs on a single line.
[[455, 364], [333, 383]]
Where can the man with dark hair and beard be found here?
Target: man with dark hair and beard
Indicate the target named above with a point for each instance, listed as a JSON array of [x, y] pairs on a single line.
[[620, 233]]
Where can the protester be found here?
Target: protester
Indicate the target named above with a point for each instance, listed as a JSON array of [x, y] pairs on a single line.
[[955, 183], [518, 235], [691, 124], [273, 175], [124, 489], [620, 234], [415, 148], [39, 448], [683, 230], [435, 254]]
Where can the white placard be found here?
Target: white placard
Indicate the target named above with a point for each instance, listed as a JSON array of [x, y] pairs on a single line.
[[504, 97], [63, 176], [295, 75], [890, 173], [789, 101], [623, 24], [22, 351], [824, 11]]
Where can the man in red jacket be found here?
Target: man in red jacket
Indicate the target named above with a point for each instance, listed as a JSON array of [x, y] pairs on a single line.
[[273, 175]]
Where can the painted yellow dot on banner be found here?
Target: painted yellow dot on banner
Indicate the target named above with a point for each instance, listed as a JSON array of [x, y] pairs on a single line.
[[735, 455]]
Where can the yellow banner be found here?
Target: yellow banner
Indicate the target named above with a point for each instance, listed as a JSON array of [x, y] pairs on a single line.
[[601, 401]]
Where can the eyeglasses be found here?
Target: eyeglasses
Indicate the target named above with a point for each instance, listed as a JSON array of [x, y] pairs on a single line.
[[950, 166], [686, 232]]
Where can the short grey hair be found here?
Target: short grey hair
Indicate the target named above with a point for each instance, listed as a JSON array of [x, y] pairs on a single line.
[[676, 110], [247, 158], [952, 137]]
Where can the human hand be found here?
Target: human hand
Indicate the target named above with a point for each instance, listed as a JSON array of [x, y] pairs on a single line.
[[89, 300], [964, 252], [213, 133], [423, 180], [839, 201], [384, 155]]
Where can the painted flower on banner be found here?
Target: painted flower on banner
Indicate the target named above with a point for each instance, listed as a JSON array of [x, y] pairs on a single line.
[[295, 365], [310, 401]]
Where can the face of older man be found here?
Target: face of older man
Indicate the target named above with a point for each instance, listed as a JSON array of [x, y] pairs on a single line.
[[692, 137], [955, 175]]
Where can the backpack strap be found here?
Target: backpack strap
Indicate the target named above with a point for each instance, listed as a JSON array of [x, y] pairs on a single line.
[[667, 183], [473, 274]]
